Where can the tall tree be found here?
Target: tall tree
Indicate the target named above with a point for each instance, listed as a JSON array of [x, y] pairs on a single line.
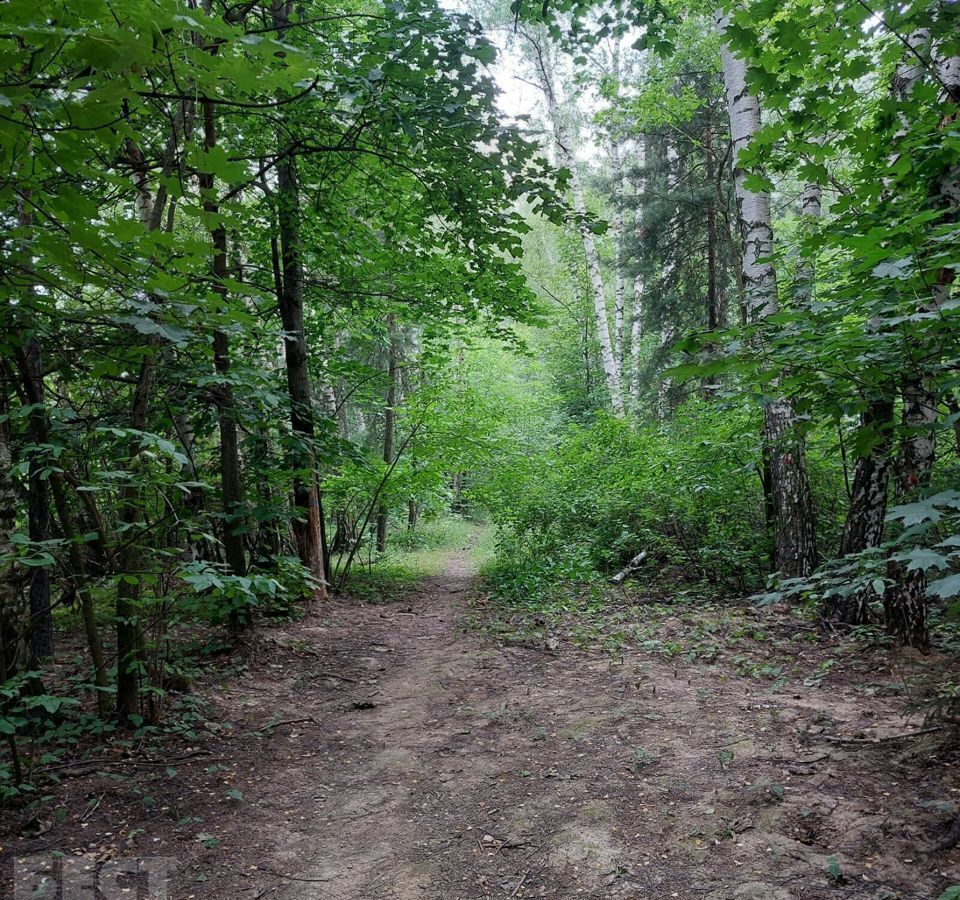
[[794, 535], [563, 143], [389, 419]]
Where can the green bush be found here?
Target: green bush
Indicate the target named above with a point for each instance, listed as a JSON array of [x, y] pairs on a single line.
[[688, 491]]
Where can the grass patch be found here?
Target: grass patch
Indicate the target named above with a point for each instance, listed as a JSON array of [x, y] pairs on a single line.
[[412, 556]]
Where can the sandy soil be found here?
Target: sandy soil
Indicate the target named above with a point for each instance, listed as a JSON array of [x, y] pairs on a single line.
[[387, 751]]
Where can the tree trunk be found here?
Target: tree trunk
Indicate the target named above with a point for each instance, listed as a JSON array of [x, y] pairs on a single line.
[[38, 495], [306, 499], [565, 156], [905, 603], [636, 333], [794, 535], [863, 527], [619, 281], [389, 421], [713, 307], [665, 387], [864, 524], [80, 582], [81, 588], [14, 609], [636, 300], [231, 478], [308, 524], [413, 513], [811, 206], [129, 562]]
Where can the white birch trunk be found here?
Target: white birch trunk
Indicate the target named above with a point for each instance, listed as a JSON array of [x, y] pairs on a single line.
[[636, 333], [619, 285], [811, 209], [753, 207], [565, 156], [794, 540], [663, 394], [636, 299]]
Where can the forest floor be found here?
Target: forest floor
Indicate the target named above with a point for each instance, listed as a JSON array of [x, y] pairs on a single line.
[[395, 750]]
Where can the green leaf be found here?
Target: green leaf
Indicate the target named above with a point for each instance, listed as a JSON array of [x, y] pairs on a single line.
[[945, 587], [921, 559]]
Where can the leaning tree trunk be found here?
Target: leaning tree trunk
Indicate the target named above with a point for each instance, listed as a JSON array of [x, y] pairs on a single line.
[[79, 581], [794, 535], [636, 300], [607, 359]]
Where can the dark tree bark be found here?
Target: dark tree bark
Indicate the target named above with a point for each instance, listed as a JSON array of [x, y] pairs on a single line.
[[231, 477], [905, 605], [308, 524], [413, 513], [14, 609], [864, 525], [306, 499], [38, 494], [905, 602], [129, 562], [794, 530], [389, 423], [79, 585]]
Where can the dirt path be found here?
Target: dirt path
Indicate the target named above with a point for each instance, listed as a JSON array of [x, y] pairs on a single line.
[[449, 768], [385, 751]]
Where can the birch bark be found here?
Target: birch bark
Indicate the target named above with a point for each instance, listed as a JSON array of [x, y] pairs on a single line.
[[565, 156], [794, 540], [905, 606], [619, 282]]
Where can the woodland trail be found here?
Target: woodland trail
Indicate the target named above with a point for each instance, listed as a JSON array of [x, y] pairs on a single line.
[[392, 751], [448, 767]]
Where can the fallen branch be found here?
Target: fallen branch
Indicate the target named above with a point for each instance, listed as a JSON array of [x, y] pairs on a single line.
[[125, 761], [886, 739], [629, 568], [295, 877], [322, 674], [273, 726], [523, 880]]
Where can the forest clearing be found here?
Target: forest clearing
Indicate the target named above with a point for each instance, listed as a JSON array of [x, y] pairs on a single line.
[[472, 448]]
